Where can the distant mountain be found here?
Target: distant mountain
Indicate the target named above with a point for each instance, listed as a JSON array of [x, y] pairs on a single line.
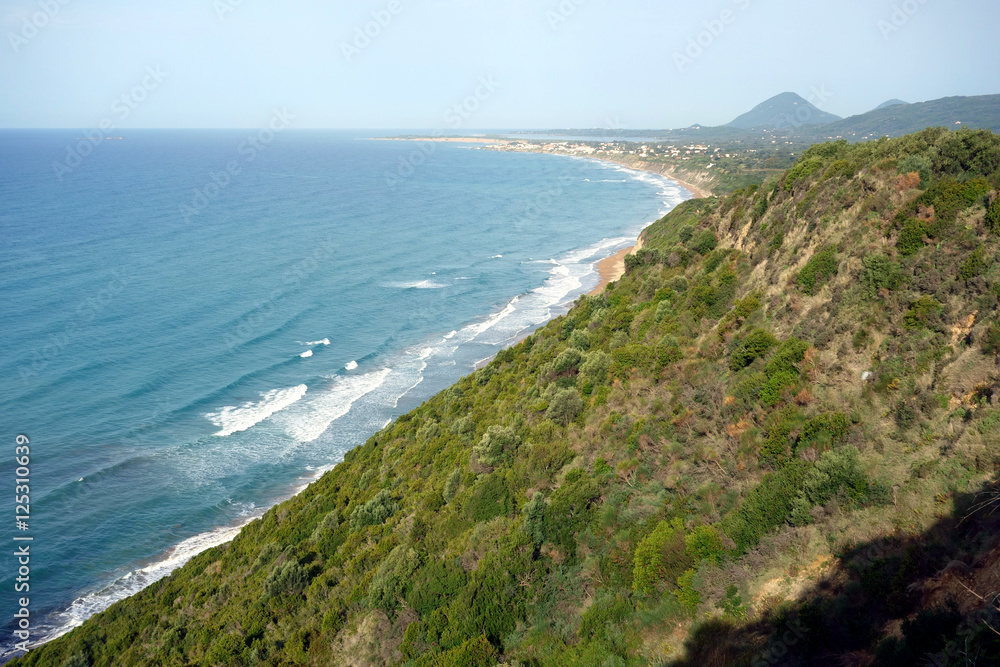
[[786, 110], [982, 111], [889, 103]]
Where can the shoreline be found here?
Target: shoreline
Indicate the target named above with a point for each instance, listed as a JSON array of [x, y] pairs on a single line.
[[612, 268]]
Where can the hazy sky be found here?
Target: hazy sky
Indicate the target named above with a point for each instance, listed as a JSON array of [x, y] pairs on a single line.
[[507, 63]]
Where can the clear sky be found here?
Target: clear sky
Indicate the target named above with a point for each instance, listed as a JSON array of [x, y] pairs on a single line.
[[507, 63]]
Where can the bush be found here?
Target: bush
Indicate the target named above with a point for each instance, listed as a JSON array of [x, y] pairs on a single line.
[[836, 473], [686, 593], [990, 342], [604, 615], [496, 445], [755, 344], [968, 151], [490, 498], [825, 429], [993, 216], [392, 579], [704, 543], [911, 238], [579, 340], [787, 357], [475, 652], [534, 518], [802, 169], [706, 242], [568, 360], [879, 273], [435, 585], [661, 555], [595, 367], [973, 266], [920, 164], [452, 484], [818, 270], [770, 393], [766, 507], [565, 406], [922, 312], [375, 512], [288, 578]]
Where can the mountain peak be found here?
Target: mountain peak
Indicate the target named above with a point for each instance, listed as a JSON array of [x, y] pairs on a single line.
[[890, 103], [784, 110]]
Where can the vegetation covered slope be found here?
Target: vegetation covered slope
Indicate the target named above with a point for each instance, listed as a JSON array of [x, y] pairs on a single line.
[[774, 440]]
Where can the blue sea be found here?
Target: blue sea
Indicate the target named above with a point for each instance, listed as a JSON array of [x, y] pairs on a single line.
[[196, 324]]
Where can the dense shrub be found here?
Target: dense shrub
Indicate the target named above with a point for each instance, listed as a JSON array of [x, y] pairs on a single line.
[[911, 237], [660, 556], [803, 169], [393, 578], [490, 498], [596, 366], [755, 344], [837, 473], [435, 585], [497, 445], [880, 273], [704, 543], [787, 357], [922, 312], [706, 242], [975, 152], [287, 578], [973, 266], [818, 270], [826, 429], [376, 511], [991, 339], [568, 360], [770, 393], [565, 406], [993, 216], [766, 507]]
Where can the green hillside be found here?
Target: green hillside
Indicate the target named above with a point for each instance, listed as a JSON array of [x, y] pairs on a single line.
[[981, 112], [774, 441]]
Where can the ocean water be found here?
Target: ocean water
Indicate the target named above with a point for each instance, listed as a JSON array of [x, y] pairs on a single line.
[[197, 324]]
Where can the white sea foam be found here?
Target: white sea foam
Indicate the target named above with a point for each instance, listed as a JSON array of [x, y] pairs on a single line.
[[497, 257], [134, 581], [235, 418], [351, 365], [325, 341], [309, 420], [306, 354], [419, 284]]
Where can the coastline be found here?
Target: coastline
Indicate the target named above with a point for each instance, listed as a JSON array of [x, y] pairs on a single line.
[[612, 268]]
